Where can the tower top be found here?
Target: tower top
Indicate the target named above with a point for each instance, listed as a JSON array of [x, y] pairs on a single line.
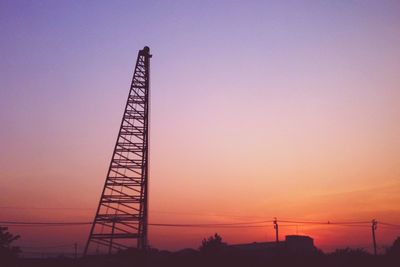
[[145, 51]]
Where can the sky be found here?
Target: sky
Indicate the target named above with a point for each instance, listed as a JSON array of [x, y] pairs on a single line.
[[259, 109]]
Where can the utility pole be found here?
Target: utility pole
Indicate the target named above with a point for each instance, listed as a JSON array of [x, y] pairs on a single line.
[[76, 251], [276, 227], [374, 226]]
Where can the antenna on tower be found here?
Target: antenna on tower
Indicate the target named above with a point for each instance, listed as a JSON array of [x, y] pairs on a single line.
[[122, 215]]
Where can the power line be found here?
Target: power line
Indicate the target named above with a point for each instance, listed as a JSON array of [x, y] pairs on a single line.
[[389, 224], [347, 223], [337, 225], [29, 224], [43, 208], [213, 224], [249, 224], [207, 225], [48, 247], [49, 253], [238, 224], [150, 211], [327, 222]]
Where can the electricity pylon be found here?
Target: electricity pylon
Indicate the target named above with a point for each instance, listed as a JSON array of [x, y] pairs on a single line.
[[121, 218]]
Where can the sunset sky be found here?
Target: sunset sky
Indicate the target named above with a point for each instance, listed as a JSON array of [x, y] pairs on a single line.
[[259, 109]]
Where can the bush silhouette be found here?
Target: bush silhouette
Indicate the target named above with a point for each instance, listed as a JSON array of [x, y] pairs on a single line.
[[213, 244], [394, 250]]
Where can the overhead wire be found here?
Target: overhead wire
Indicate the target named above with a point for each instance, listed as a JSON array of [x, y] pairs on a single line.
[[389, 224], [260, 223], [242, 224], [326, 222], [248, 224]]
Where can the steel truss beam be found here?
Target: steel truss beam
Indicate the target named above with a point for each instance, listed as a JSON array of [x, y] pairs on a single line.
[[121, 217]]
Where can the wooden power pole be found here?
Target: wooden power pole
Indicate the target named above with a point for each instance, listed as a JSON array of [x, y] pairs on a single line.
[[374, 226]]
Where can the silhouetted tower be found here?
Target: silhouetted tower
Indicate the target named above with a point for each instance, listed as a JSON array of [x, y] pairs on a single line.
[[121, 217]]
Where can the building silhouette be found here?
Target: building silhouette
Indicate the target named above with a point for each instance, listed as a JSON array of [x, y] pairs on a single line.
[[293, 243]]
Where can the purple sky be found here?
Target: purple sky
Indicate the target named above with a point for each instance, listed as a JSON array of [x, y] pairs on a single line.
[[291, 98]]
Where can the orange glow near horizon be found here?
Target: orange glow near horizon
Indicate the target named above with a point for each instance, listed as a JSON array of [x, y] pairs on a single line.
[[326, 208]]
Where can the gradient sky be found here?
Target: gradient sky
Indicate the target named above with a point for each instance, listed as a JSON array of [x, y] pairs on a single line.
[[259, 109]]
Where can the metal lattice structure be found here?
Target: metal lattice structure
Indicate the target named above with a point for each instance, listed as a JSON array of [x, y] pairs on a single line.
[[121, 218]]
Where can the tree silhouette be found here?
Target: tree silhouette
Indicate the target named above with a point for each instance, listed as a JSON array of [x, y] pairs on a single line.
[[213, 244], [394, 250], [8, 251], [348, 252]]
